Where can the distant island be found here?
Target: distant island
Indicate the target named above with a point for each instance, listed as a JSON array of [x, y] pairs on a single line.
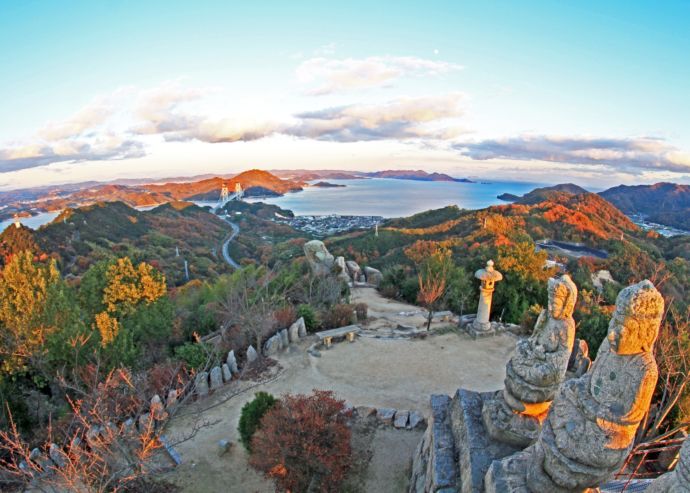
[[418, 175], [325, 184], [508, 197]]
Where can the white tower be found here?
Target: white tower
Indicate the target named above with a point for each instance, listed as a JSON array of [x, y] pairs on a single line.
[[238, 191], [17, 222], [223, 194]]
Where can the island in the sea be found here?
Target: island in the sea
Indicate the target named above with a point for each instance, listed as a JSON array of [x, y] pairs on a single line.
[[325, 184]]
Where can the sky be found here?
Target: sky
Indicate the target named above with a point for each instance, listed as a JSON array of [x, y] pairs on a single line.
[[591, 92]]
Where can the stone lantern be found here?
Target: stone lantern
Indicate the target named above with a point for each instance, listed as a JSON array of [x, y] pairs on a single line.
[[488, 277]]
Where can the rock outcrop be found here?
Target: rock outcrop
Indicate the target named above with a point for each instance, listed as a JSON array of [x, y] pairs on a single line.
[[535, 371], [354, 270], [373, 276], [343, 273], [320, 260]]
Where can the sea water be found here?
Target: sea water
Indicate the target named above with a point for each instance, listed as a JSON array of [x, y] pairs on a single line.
[[367, 197], [394, 198]]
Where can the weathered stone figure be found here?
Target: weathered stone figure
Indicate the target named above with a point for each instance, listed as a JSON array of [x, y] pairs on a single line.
[[592, 422], [488, 277], [320, 260], [678, 480], [535, 371]]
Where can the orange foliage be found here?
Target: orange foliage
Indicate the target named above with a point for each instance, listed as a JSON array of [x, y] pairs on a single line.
[[303, 443], [443, 227]]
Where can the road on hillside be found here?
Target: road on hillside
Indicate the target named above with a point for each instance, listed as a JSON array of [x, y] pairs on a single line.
[[226, 243]]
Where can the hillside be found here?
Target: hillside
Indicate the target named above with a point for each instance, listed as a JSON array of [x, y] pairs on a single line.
[[545, 193], [79, 237], [209, 189], [417, 175], [254, 182], [664, 203], [583, 218], [262, 238]]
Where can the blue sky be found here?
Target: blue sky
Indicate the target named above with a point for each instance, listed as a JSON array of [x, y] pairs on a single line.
[[591, 92]]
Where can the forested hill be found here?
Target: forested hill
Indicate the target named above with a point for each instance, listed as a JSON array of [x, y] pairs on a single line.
[[80, 237], [254, 182], [509, 233], [664, 203]]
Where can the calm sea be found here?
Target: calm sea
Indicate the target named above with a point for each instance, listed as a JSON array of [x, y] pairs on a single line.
[[372, 197], [394, 198]]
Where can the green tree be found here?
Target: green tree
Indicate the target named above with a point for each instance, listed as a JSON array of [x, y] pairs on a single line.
[[25, 291], [524, 280], [311, 321], [250, 417]]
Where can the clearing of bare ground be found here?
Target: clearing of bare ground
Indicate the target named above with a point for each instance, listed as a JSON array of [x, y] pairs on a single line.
[[396, 373]]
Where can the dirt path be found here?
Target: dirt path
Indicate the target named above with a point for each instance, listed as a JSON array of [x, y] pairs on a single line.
[[398, 373]]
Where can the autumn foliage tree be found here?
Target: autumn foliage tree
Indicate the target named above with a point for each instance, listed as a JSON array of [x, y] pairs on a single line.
[[433, 267], [91, 450], [123, 289], [25, 291], [303, 443]]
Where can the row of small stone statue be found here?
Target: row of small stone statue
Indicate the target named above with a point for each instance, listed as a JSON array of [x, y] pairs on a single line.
[[218, 375], [575, 433]]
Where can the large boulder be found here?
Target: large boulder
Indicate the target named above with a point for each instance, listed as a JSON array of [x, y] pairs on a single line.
[[320, 260], [374, 276], [343, 274], [353, 269]]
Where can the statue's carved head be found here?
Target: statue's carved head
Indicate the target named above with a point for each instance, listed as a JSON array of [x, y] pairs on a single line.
[[562, 297], [634, 326]]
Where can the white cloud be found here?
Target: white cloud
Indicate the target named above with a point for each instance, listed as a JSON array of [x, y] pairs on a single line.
[[87, 118], [327, 75], [641, 153], [404, 118]]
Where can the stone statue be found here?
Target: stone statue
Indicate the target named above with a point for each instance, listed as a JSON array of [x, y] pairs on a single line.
[[535, 371], [488, 277], [592, 422], [320, 260], [678, 480]]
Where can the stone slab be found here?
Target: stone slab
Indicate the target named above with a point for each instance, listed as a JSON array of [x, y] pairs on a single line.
[[385, 415], [476, 449], [416, 420], [401, 417], [443, 467], [478, 334]]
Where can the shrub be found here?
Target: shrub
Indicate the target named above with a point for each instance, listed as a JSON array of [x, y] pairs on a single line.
[[309, 315], [530, 318], [195, 355], [304, 443], [338, 315], [285, 316], [362, 310], [250, 418]]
